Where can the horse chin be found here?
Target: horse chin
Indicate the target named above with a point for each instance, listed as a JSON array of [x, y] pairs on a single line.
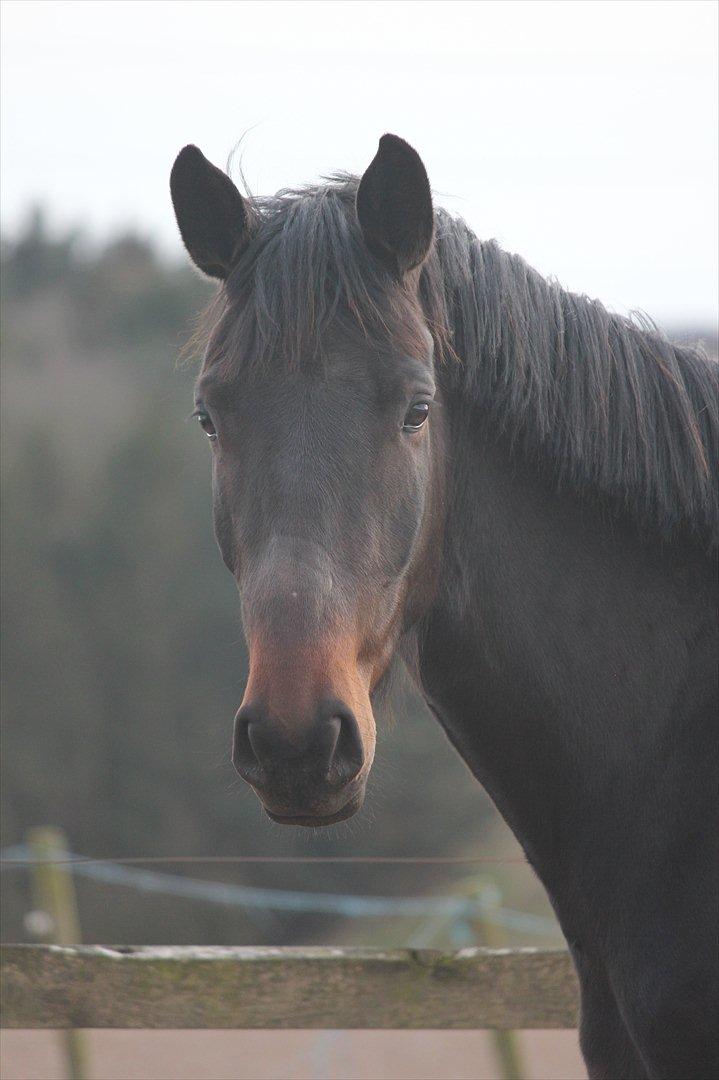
[[311, 820]]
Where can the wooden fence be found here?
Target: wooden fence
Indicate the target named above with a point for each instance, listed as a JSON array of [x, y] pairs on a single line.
[[97, 986]]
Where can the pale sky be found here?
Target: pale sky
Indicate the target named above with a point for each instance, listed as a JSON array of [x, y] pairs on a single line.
[[582, 135]]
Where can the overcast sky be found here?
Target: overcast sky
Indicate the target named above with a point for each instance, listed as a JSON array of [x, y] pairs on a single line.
[[582, 135]]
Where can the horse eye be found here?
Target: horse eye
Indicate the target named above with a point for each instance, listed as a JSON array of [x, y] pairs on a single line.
[[416, 416], [206, 424]]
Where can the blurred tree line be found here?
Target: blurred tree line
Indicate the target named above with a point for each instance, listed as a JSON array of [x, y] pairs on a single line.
[[123, 658]]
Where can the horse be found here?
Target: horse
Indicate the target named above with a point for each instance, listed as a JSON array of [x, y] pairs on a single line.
[[424, 452]]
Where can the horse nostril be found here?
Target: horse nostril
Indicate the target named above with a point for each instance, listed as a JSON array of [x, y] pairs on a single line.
[[329, 752], [348, 757], [244, 757]]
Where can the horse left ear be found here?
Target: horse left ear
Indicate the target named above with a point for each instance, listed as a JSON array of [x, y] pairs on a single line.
[[394, 206], [210, 213]]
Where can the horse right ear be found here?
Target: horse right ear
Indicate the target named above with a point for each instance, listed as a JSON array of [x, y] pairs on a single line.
[[394, 206], [210, 213]]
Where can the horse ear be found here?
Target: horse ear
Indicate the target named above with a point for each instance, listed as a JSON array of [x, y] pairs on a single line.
[[394, 206], [210, 212]]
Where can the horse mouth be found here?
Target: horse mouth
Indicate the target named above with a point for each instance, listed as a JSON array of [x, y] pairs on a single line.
[[315, 821]]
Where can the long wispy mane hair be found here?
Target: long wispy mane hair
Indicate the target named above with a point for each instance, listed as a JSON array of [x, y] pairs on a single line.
[[611, 405]]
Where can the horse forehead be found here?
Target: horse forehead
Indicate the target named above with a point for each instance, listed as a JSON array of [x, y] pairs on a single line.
[[340, 371]]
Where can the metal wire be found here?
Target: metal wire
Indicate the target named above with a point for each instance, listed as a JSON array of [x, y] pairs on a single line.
[[149, 860], [259, 901]]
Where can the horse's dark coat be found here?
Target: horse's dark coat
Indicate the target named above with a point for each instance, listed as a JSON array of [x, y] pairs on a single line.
[[541, 554]]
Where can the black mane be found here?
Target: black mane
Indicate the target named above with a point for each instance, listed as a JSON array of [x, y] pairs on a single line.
[[615, 405], [612, 405]]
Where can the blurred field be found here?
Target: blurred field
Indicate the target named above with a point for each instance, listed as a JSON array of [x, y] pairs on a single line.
[[291, 1055], [124, 664], [123, 656]]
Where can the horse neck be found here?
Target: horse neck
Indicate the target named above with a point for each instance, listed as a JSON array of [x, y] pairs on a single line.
[[535, 656]]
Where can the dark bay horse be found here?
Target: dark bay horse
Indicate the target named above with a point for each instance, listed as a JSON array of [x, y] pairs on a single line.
[[423, 449]]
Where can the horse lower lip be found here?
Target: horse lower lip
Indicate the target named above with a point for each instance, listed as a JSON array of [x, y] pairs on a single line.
[[316, 820]]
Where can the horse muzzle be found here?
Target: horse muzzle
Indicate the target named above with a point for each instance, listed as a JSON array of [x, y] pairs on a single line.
[[304, 773]]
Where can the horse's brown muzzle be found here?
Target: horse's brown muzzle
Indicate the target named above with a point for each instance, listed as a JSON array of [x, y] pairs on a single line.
[[305, 751]]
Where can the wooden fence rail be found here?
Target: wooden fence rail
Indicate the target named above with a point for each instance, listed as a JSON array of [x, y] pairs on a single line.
[[97, 986]]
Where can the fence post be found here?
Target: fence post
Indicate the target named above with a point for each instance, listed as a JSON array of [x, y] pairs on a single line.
[[489, 901], [54, 894]]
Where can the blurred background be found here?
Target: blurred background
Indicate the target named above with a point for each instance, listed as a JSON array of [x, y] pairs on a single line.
[[582, 135]]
